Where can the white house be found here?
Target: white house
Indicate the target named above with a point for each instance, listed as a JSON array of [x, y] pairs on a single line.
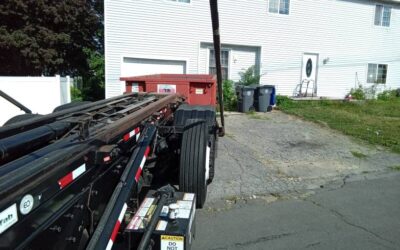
[[343, 42]]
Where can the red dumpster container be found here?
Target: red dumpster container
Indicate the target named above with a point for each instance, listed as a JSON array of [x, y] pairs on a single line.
[[198, 89]]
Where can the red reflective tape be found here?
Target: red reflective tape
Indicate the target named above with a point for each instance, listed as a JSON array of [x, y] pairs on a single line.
[[138, 173], [63, 182], [131, 134], [126, 137], [146, 153], [116, 227], [115, 231], [107, 158], [66, 180]]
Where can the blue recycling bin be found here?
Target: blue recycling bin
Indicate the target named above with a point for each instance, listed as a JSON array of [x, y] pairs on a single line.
[[273, 95]]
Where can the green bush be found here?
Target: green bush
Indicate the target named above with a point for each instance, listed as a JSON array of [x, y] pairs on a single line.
[[230, 100], [357, 93], [387, 95], [249, 77], [76, 94]]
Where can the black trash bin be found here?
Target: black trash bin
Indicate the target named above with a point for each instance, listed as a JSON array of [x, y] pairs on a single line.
[[245, 97], [263, 98]]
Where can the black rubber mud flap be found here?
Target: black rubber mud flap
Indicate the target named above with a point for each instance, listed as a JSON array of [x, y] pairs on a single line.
[[212, 144], [192, 174]]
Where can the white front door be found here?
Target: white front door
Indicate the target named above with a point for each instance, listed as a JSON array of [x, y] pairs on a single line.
[[309, 74]]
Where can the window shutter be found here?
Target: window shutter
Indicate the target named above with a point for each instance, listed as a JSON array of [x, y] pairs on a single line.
[[378, 14]]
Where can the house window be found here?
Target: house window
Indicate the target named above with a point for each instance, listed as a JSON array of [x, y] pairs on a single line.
[[224, 64], [377, 73], [382, 15], [279, 6]]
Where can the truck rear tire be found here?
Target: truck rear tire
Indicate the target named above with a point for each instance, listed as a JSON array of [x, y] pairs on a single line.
[[192, 174]]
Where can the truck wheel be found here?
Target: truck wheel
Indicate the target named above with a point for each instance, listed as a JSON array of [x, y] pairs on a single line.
[[192, 175], [70, 105], [20, 118]]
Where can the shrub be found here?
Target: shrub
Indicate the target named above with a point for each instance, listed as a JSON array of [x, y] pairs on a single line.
[[249, 77], [358, 93], [387, 95], [230, 100], [76, 94]]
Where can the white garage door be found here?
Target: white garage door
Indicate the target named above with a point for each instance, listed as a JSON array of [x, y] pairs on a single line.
[[140, 66]]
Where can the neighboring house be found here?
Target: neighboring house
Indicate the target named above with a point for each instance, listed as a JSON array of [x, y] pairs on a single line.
[[335, 43]]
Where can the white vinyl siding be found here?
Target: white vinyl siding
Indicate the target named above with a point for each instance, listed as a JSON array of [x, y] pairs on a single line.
[[180, 1], [342, 31]]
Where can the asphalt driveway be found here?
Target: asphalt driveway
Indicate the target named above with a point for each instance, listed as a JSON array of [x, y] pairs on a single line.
[[284, 183]]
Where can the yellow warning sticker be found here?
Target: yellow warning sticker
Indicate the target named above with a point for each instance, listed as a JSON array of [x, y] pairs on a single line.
[[170, 242], [172, 237]]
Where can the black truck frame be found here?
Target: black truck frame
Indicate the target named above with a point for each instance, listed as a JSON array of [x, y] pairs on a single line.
[[67, 177], [122, 173]]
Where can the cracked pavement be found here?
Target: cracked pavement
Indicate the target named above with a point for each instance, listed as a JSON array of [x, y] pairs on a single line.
[[284, 183]]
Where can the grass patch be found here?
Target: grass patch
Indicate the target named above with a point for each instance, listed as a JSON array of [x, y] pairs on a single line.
[[374, 121], [358, 155], [256, 116], [395, 168]]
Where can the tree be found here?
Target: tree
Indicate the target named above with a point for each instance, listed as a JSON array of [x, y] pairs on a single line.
[[93, 81], [45, 37]]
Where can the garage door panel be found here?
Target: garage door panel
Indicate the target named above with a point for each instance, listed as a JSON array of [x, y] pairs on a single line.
[[141, 66]]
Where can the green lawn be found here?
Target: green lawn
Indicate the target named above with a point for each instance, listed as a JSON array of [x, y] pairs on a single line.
[[375, 121]]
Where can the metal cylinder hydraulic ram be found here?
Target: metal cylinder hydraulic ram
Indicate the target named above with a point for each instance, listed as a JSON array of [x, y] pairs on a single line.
[[21, 144]]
